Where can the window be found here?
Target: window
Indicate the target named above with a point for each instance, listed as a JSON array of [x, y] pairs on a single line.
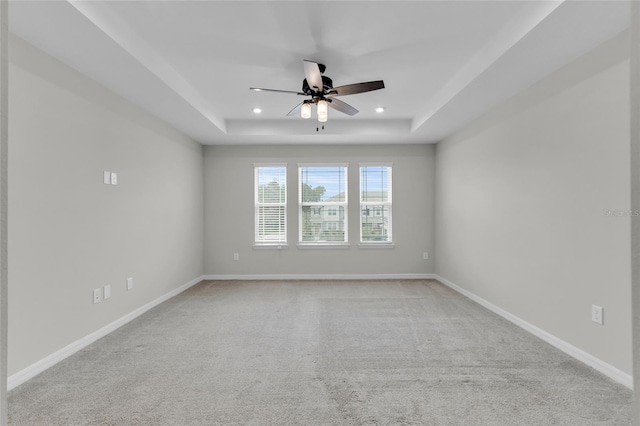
[[375, 204], [271, 204], [322, 196]]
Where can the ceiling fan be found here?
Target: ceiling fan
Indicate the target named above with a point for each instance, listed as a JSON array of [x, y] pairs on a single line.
[[320, 88]]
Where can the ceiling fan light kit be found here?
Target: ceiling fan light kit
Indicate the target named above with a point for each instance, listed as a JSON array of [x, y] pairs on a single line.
[[323, 94], [305, 110], [322, 111]]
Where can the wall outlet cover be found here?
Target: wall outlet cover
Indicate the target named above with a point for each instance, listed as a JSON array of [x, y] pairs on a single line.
[[97, 295]]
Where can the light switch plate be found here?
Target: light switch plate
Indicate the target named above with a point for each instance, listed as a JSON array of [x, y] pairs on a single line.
[[106, 178], [114, 178], [107, 292], [129, 283], [597, 314]]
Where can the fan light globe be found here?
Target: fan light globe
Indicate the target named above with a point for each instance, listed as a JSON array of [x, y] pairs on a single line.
[[322, 111], [305, 110]]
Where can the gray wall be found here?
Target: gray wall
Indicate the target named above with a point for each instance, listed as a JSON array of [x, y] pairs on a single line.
[[229, 211], [69, 233], [635, 197], [522, 199]]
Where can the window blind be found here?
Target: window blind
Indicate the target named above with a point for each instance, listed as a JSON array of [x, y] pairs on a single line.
[[375, 204], [322, 199], [271, 204]]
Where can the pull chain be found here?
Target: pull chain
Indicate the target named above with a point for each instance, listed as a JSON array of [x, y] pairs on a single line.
[[318, 126]]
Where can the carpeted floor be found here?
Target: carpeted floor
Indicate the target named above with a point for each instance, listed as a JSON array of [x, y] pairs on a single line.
[[320, 353]]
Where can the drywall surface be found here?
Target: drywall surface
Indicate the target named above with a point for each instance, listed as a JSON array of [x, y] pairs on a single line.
[[634, 82], [229, 212], [69, 232], [533, 209]]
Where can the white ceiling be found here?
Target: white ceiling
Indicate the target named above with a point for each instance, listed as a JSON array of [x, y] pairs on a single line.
[[191, 63]]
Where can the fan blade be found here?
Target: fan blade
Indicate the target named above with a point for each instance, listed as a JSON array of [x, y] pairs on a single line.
[[259, 89], [352, 89], [338, 105], [296, 110], [312, 73]]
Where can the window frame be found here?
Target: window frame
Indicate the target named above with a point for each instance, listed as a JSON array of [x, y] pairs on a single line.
[[277, 243], [329, 204], [370, 206]]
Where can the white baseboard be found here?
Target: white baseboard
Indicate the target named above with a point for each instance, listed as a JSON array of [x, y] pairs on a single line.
[[596, 363], [34, 369], [266, 277], [47, 362]]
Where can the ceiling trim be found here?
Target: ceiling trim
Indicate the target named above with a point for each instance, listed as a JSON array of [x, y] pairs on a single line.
[[120, 33], [503, 40], [391, 127]]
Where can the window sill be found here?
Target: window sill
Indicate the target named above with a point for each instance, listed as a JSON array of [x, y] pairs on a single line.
[[270, 246], [376, 245], [324, 245]]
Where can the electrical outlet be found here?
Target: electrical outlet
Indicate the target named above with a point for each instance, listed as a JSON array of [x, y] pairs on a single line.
[[597, 314], [236, 256], [97, 295], [425, 255], [129, 283], [107, 292]]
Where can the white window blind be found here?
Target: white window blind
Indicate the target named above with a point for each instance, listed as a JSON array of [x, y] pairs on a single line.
[[271, 204], [375, 204], [322, 199]]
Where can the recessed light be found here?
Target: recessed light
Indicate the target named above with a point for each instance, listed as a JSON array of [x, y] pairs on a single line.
[[380, 109], [257, 110]]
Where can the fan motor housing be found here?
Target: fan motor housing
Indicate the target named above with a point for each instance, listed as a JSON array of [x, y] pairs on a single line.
[[327, 84]]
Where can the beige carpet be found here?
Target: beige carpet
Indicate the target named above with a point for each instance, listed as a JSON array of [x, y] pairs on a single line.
[[320, 353]]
